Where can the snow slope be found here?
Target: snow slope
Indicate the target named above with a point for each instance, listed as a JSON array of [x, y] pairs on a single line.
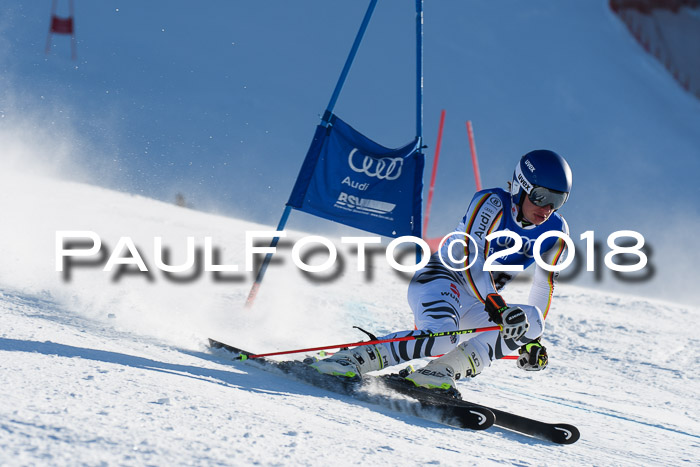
[[98, 371]]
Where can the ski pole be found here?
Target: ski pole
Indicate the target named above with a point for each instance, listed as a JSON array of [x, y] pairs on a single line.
[[375, 341]]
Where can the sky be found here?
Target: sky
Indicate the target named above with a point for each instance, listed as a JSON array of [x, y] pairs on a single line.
[[219, 102]]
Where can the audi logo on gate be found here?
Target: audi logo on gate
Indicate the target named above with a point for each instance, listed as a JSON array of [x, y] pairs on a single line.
[[387, 168]]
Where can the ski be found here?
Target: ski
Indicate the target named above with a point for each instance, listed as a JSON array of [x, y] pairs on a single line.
[[560, 433], [464, 415], [450, 409]]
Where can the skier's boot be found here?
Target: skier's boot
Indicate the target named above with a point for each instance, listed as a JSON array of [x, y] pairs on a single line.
[[441, 373], [353, 363]]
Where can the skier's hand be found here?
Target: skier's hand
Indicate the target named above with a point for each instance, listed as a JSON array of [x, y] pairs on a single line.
[[513, 320], [533, 356]]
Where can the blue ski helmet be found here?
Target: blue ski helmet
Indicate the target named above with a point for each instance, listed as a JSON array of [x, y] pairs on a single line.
[[542, 175]]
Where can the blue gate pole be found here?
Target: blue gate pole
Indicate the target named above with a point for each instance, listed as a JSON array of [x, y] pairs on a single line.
[[348, 62], [419, 70], [266, 262], [325, 121], [419, 92]]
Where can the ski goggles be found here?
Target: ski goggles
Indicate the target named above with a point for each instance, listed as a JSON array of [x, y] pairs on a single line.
[[541, 196]]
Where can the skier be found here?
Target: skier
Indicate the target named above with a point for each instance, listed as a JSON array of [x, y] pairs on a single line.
[[446, 295]]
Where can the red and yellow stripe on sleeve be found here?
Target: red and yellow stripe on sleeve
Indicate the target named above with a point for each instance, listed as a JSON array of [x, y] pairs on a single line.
[[470, 224], [550, 276]]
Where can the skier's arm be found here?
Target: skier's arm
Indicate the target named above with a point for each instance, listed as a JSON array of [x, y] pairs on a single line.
[[483, 217], [544, 281]]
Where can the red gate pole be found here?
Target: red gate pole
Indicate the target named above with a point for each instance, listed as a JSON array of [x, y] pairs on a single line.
[[475, 161], [431, 189]]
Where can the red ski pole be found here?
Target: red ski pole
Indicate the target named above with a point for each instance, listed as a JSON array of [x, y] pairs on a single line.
[[375, 341]]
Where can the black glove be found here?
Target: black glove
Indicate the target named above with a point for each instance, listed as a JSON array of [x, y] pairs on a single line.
[[513, 320], [533, 356]]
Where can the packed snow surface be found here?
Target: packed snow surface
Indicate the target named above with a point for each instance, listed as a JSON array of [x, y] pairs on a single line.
[[98, 370]]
